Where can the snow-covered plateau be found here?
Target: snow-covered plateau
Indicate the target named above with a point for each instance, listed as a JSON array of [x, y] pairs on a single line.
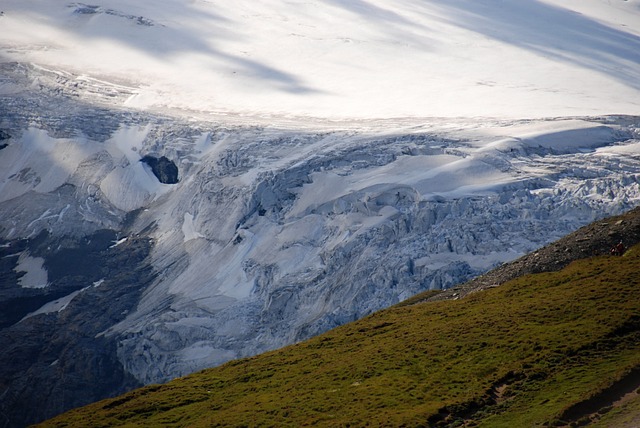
[[333, 158]]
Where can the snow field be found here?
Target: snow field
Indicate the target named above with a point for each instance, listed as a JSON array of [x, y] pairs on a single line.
[[339, 59]]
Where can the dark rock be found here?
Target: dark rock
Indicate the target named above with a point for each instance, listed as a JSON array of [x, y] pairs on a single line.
[[70, 268], [4, 136], [164, 169], [59, 360]]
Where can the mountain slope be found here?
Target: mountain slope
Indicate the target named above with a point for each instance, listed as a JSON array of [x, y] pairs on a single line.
[[271, 235], [550, 348], [184, 183]]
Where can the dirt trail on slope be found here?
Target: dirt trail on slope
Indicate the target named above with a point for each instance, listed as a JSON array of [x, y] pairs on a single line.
[[591, 410]]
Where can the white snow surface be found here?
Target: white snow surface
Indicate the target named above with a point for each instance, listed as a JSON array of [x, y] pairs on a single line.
[[60, 304], [35, 275], [341, 58]]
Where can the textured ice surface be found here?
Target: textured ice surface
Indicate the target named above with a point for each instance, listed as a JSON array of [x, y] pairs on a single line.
[[281, 244]]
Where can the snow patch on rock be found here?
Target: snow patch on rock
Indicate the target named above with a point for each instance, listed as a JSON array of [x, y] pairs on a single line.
[[35, 275]]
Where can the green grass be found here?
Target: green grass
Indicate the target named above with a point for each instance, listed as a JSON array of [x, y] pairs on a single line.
[[517, 355]]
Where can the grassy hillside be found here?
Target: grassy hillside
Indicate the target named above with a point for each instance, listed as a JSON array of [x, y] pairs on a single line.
[[549, 349]]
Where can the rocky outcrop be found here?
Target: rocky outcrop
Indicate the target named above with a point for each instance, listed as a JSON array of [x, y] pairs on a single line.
[[3, 136], [164, 169], [55, 356]]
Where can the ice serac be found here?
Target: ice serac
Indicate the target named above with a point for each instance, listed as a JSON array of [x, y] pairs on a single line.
[[275, 236]]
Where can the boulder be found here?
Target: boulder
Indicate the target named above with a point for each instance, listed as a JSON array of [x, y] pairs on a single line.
[[164, 169]]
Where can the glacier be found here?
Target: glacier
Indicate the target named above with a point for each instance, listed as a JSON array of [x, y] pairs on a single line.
[[334, 158], [275, 234], [272, 234], [291, 235]]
